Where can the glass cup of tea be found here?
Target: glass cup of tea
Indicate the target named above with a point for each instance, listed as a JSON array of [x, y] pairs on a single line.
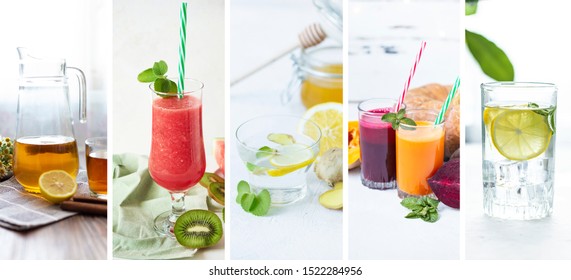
[[96, 162]]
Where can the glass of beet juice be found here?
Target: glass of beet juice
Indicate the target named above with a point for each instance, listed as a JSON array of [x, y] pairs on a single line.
[[377, 142]]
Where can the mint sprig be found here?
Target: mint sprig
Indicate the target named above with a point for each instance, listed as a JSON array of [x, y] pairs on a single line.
[[157, 75], [398, 118], [424, 208], [549, 113], [256, 204]]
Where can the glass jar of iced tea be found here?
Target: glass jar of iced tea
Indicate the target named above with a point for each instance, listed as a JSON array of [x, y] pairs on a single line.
[[318, 76]]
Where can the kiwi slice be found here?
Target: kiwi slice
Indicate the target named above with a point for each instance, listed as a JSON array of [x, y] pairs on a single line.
[[208, 178], [198, 229], [216, 192]]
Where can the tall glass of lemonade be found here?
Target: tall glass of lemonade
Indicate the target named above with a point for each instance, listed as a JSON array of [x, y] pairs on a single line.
[[518, 144]]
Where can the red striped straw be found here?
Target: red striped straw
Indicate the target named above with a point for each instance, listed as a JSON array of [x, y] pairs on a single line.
[[410, 75]]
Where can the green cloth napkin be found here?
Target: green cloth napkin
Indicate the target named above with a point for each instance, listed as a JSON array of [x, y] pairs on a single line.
[[137, 200]]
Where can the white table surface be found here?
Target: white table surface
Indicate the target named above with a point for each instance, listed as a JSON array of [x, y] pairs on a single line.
[[377, 227], [304, 230], [491, 238]]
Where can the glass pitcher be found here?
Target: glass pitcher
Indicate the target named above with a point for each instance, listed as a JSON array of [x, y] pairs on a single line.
[[44, 136]]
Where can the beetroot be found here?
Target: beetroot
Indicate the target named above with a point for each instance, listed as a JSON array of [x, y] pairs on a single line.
[[446, 183]]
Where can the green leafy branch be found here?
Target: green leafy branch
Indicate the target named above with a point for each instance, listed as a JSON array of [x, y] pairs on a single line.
[[492, 59]]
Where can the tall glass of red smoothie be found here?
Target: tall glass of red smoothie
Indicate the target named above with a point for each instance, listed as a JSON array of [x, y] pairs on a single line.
[[177, 160], [377, 143]]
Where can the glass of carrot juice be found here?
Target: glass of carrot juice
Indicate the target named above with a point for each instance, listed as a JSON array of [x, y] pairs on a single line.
[[420, 152]]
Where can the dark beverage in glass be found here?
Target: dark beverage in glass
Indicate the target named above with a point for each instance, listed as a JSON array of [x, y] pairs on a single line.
[[377, 143]]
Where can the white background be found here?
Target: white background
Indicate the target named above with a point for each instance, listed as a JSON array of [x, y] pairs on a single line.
[[77, 30]]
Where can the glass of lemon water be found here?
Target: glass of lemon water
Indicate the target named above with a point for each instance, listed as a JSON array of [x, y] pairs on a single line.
[[518, 134], [278, 151]]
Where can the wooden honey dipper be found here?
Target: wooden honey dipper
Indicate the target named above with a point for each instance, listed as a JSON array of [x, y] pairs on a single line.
[[311, 36]]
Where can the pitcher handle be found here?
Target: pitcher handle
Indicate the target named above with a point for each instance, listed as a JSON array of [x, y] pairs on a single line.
[[82, 93]]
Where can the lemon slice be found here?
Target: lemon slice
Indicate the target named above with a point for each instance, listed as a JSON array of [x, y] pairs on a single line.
[[520, 134], [329, 118], [490, 113], [57, 186], [290, 158]]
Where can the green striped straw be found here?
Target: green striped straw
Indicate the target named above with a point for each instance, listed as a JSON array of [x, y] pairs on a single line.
[[449, 98], [182, 49]]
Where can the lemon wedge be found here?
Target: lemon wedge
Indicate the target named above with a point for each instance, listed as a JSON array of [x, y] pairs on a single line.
[[329, 118]]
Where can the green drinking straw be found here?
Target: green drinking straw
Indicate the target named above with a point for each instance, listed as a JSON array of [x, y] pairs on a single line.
[[451, 94], [182, 50]]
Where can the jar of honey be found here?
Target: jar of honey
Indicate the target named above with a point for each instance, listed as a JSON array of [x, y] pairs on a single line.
[[318, 76]]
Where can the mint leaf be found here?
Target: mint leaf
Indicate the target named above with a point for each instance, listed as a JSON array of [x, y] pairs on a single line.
[[408, 121], [247, 201], [401, 113], [258, 170], [412, 215], [265, 151], [396, 119], [243, 188], [432, 202], [261, 204], [432, 217], [258, 205], [165, 85], [409, 202], [147, 76], [161, 85], [424, 208], [160, 68], [173, 88], [389, 117], [551, 120]]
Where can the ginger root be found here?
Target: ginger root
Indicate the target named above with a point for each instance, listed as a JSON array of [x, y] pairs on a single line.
[[329, 168]]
